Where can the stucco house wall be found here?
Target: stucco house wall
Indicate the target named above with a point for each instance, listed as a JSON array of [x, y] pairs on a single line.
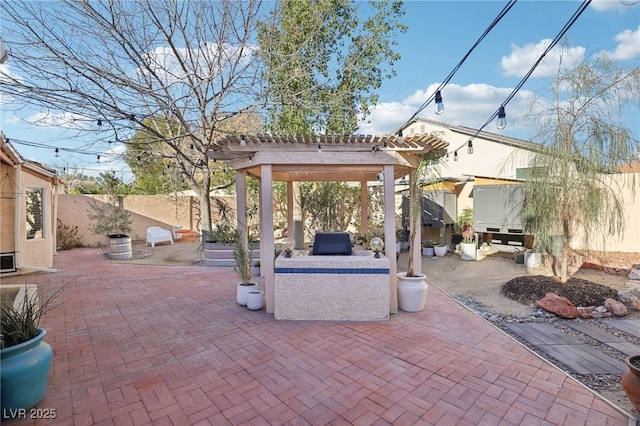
[[18, 176]]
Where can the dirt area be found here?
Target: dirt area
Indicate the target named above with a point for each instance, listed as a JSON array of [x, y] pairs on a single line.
[[483, 280]]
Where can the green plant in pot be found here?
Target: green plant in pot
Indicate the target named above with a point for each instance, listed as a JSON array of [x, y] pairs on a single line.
[[111, 219], [24, 356], [243, 256], [427, 247]]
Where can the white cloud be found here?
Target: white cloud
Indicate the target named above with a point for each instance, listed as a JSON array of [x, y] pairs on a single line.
[[628, 45], [521, 59], [604, 5], [470, 106], [64, 120]]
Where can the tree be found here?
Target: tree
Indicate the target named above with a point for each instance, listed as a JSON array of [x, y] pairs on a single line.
[[324, 59], [108, 66], [110, 218], [583, 143]]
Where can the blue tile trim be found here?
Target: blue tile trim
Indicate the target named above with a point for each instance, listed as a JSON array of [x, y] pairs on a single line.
[[341, 271]]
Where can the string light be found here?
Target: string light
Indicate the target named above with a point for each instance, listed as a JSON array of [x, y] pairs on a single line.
[[98, 158], [439, 104], [57, 151], [400, 138], [502, 120], [99, 123], [455, 156], [320, 148], [242, 141], [470, 147]]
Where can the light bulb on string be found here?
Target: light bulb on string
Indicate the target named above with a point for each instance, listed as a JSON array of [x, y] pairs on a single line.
[[98, 159], [57, 151], [320, 148], [400, 138], [455, 156], [99, 122], [243, 142], [502, 120], [439, 104], [470, 147]]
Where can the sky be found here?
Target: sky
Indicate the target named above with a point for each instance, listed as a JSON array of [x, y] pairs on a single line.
[[439, 34]]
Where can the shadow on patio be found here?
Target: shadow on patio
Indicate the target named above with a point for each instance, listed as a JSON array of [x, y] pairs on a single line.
[[137, 344]]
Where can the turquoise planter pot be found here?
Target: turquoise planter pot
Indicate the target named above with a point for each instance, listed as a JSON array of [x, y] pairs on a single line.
[[24, 374]]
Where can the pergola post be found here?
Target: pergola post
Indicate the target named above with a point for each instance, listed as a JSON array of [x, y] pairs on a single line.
[[290, 209], [390, 235], [364, 208], [266, 222]]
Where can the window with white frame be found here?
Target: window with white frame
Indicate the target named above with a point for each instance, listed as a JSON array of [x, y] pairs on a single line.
[[35, 213]]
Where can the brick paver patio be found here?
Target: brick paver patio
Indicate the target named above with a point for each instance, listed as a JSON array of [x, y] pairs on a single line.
[[169, 345]]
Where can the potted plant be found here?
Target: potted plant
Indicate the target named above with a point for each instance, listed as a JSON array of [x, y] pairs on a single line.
[[468, 246], [111, 219], [441, 249], [24, 356], [631, 380], [427, 247], [412, 287], [244, 259]]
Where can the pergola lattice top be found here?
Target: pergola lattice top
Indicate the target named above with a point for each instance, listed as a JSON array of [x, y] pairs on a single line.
[[325, 158]]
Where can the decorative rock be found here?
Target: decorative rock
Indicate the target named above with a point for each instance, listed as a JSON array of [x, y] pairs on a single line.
[[630, 297], [586, 312], [592, 263], [561, 306], [601, 309], [616, 308], [621, 272], [634, 274]]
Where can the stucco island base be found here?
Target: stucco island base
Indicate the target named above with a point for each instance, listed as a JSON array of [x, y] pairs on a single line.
[[332, 288]]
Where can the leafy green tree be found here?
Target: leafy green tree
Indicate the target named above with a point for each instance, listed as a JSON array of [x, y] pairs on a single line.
[[584, 141], [324, 59]]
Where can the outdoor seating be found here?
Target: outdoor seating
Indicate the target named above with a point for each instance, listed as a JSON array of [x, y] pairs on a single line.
[[155, 234]]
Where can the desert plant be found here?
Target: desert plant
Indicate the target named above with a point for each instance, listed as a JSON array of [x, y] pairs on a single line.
[[243, 256], [19, 325], [67, 236], [110, 218]]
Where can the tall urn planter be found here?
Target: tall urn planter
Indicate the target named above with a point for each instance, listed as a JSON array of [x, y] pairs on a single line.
[[631, 380], [24, 374], [412, 292]]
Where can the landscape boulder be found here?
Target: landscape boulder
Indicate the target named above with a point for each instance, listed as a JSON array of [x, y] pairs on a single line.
[[630, 297], [616, 308], [559, 305], [634, 274]]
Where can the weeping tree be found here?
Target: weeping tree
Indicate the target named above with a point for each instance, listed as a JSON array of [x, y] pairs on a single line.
[[569, 190], [324, 60], [107, 66]]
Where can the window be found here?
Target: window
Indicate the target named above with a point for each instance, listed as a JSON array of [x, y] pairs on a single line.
[[35, 213]]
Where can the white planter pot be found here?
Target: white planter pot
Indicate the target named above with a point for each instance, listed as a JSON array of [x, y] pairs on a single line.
[[468, 251], [412, 292], [440, 250], [242, 291], [398, 247], [428, 251], [533, 260], [255, 300]]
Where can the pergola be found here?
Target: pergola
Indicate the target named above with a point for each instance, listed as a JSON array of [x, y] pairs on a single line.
[[355, 158]]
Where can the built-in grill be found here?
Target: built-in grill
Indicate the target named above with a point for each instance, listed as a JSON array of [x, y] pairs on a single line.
[[332, 244]]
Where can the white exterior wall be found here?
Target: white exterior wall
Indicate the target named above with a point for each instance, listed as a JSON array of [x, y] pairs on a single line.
[[489, 159]]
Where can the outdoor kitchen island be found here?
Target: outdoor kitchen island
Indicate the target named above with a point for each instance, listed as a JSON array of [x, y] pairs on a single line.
[[333, 288]]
